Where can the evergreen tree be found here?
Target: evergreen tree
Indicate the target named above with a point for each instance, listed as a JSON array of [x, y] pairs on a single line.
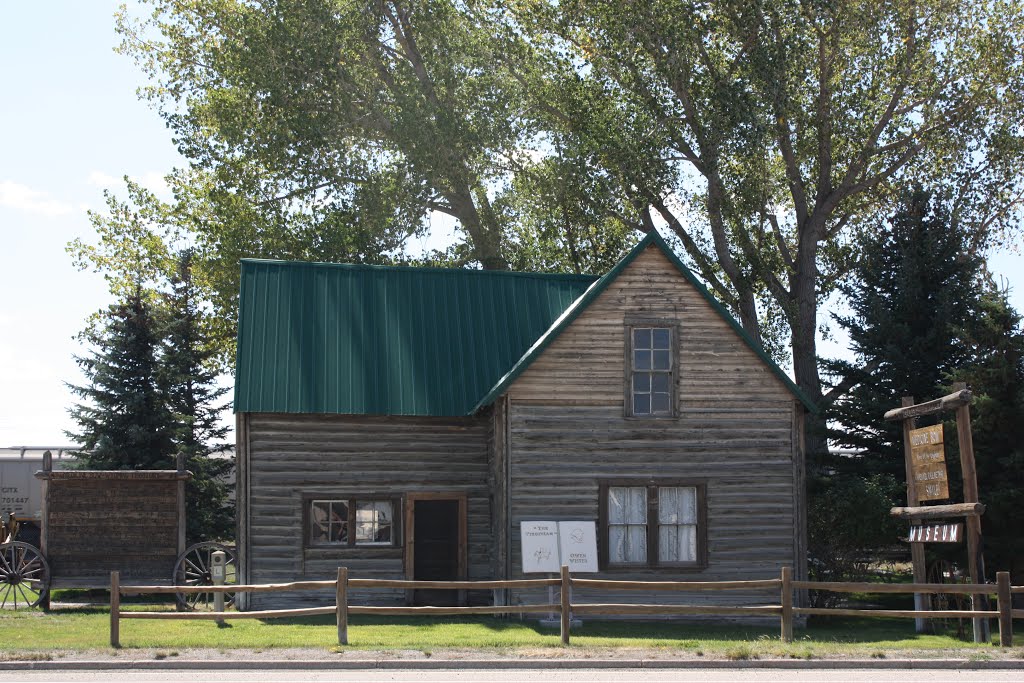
[[913, 298], [188, 376], [996, 377], [913, 302], [123, 422]]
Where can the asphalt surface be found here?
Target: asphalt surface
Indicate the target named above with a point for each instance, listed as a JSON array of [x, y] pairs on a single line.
[[532, 675]]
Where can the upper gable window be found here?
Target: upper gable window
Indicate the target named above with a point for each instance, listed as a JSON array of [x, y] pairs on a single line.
[[650, 390]]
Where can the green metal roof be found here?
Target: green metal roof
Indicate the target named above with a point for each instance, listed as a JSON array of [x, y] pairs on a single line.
[[373, 340], [376, 340]]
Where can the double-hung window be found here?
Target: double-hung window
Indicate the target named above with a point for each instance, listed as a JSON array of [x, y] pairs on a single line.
[[650, 369], [651, 525], [351, 522]]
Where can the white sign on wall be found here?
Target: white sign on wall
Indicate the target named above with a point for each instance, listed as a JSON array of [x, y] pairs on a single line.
[[546, 546], [578, 545], [540, 547]]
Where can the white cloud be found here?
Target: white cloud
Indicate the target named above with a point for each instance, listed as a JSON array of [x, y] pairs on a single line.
[[24, 198]]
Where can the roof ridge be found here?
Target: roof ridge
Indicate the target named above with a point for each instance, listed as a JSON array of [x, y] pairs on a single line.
[[420, 269]]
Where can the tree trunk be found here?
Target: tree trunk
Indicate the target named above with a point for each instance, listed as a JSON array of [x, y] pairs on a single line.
[[484, 235], [804, 341]]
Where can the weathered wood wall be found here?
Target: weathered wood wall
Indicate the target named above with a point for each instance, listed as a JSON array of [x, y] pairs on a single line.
[[290, 456], [734, 431], [98, 522]]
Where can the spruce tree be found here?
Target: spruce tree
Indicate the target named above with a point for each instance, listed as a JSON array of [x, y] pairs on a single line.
[[124, 423], [189, 377], [912, 301], [995, 376]]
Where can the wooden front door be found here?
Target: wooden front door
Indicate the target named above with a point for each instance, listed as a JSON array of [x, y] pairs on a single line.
[[436, 545]]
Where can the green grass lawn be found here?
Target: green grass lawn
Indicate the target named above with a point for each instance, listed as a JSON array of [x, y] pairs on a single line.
[[88, 629]]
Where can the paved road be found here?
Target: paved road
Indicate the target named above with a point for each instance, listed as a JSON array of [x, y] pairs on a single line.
[[532, 675]]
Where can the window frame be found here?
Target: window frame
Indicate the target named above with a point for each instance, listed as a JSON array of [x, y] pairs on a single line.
[[652, 486], [632, 323], [352, 501]]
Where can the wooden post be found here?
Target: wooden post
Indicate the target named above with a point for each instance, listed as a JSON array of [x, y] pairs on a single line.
[[787, 604], [180, 466], [922, 602], [115, 609], [975, 561], [1005, 602], [565, 604], [341, 605]]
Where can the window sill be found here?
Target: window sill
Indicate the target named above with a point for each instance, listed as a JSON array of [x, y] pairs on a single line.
[[651, 418], [679, 567], [348, 548]]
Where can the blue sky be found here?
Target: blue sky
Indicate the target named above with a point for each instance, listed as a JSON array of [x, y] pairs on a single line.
[[72, 126]]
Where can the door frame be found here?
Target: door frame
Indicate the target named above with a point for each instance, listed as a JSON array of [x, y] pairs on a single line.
[[409, 554]]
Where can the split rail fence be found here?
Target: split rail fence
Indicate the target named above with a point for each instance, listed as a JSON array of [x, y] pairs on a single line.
[[786, 611]]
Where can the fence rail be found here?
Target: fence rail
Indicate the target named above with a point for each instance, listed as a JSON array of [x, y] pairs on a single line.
[[785, 610]]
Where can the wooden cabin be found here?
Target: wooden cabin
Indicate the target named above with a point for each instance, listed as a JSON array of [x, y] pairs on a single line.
[[403, 422]]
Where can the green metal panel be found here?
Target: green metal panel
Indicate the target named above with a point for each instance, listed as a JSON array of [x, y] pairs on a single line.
[[326, 338]]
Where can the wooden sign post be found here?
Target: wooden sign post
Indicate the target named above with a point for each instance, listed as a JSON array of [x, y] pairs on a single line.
[[927, 479]]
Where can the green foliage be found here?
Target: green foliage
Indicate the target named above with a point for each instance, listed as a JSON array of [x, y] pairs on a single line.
[[913, 301], [996, 377], [188, 376], [848, 521], [151, 393], [381, 111], [922, 317], [124, 423]]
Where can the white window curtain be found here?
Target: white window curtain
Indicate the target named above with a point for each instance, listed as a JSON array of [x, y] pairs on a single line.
[[677, 524], [627, 524]]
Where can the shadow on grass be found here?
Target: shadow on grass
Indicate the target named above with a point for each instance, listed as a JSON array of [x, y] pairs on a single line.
[[832, 630]]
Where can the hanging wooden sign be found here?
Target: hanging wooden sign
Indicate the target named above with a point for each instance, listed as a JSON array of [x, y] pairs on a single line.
[[928, 461], [936, 533]]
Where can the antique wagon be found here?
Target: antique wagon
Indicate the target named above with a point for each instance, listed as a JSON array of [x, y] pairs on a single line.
[[93, 522]]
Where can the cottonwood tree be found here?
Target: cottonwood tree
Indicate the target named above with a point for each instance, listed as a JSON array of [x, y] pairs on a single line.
[[381, 111], [769, 135]]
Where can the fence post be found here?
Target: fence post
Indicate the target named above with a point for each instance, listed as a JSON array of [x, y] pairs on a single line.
[[787, 604], [1004, 600], [341, 605], [115, 609], [565, 604]]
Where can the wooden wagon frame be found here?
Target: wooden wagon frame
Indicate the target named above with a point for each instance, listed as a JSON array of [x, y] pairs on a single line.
[[94, 522]]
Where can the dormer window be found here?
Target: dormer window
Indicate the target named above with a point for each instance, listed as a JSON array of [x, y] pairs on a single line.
[[651, 386]]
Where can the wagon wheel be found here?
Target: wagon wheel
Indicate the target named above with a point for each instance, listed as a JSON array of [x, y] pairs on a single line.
[[24, 575], [194, 567]]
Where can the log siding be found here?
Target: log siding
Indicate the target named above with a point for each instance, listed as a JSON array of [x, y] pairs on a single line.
[[734, 428], [291, 458]]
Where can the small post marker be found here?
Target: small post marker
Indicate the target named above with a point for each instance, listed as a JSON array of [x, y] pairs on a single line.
[[218, 561]]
